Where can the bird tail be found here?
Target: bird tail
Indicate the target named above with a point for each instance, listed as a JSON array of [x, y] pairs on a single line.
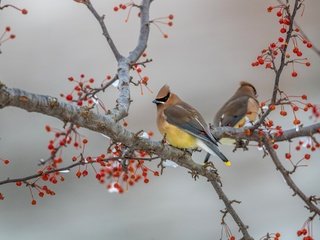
[[213, 149]]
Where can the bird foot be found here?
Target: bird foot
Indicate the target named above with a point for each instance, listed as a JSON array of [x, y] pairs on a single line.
[[194, 174], [241, 144], [210, 166]]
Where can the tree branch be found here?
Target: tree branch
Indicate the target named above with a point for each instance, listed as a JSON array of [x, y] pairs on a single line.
[[106, 125], [124, 63], [286, 175], [69, 167], [303, 34], [144, 32], [105, 31], [283, 53], [243, 228]]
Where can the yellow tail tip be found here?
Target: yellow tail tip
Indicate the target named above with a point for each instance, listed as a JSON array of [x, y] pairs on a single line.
[[228, 164]]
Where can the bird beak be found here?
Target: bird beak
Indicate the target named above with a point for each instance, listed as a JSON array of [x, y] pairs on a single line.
[[157, 102]]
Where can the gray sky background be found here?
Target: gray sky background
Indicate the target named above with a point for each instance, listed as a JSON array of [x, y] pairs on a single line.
[[209, 50]]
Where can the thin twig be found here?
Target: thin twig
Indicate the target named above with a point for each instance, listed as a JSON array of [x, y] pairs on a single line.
[[283, 53], [69, 167], [286, 175], [105, 31], [243, 228], [303, 34]]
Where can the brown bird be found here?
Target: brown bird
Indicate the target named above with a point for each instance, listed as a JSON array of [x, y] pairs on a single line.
[[242, 107], [182, 125]]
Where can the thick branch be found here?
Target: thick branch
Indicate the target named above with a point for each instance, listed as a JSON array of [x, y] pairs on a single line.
[[104, 124], [124, 63], [144, 32], [286, 175], [302, 132], [287, 135]]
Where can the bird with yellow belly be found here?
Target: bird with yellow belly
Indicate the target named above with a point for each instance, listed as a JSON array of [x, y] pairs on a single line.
[[183, 126]]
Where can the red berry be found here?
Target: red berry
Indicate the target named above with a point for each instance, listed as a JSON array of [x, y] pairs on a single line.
[[294, 74], [308, 64], [283, 30], [78, 174], [170, 16], [33, 202], [12, 36], [280, 39], [146, 180], [115, 9], [24, 11], [269, 9], [307, 156], [19, 183], [261, 61], [288, 156], [8, 29], [279, 13], [304, 97], [283, 113], [309, 45], [296, 121], [275, 146], [6, 161], [69, 97], [295, 108], [272, 107]]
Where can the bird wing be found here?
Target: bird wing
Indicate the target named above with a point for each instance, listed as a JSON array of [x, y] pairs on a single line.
[[237, 110], [183, 116]]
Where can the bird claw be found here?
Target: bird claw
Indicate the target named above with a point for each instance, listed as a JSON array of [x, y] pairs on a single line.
[[210, 166], [241, 144], [194, 174]]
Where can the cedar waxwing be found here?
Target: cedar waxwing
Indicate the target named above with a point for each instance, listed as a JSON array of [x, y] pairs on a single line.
[[242, 107], [182, 125]]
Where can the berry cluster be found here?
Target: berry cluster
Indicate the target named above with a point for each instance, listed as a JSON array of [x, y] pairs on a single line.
[[294, 103], [6, 35], [271, 236], [306, 231], [125, 6], [63, 138], [167, 21], [279, 47], [138, 69], [84, 94]]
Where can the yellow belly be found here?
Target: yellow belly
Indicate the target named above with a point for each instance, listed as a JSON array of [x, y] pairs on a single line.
[[177, 137]]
